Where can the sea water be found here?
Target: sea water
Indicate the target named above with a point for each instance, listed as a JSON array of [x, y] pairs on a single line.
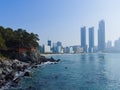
[[97, 71]]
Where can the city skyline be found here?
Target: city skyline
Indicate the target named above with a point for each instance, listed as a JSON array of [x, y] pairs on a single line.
[[101, 38], [61, 20]]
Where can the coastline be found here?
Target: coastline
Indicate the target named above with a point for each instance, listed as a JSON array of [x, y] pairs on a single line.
[[15, 69]]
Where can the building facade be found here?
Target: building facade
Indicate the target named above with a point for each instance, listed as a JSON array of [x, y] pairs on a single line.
[[101, 36], [109, 44], [83, 39], [49, 43], [47, 49], [91, 40]]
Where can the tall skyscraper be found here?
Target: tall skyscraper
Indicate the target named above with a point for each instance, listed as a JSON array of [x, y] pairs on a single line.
[[83, 39], [91, 39], [101, 36]]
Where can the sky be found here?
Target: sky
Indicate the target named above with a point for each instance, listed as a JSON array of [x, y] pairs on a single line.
[[61, 20]]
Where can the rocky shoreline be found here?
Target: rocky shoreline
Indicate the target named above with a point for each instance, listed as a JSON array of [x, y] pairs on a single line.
[[12, 70]]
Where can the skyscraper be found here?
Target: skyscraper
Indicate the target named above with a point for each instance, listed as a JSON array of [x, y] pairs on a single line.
[[91, 39], [49, 43], [83, 39], [59, 43], [101, 36]]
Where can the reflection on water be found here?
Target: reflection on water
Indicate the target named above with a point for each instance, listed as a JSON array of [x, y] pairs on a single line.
[[77, 72], [93, 69]]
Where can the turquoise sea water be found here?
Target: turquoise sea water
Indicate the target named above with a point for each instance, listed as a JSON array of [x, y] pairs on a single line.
[[76, 72]]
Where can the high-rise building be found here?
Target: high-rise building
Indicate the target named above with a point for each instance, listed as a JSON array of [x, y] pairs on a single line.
[[91, 39], [101, 36], [117, 43], [54, 48], [47, 49], [59, 43], [109, 44], [49, 43], [83, 39]]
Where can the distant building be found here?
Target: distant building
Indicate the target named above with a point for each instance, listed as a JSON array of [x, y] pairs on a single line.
[[77, 49], [95, 48], [54, 48], [83, 39], [91, 39], [69, 50], [66, 50], [101, 36], [59, 43], [59, 49], [113, 49], [49, 43], [117, 43], [47, 49], [109, 47], [41, 49], [109, 44]]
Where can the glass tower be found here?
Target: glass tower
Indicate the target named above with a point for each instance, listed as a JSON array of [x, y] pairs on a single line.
[[49, 43], [101, 36], [83, 39], [91, 39]]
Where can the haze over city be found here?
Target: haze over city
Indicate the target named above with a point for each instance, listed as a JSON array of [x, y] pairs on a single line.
[[61, 20]]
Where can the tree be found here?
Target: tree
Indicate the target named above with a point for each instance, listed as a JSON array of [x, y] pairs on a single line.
[[19, 38], [2, 43]]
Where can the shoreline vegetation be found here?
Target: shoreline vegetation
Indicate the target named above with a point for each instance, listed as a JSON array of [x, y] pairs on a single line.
[[19, 52]]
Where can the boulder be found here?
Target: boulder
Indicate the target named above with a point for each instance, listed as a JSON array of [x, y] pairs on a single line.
[[27, 73], [2, 83], [9, 76], [16, 80]]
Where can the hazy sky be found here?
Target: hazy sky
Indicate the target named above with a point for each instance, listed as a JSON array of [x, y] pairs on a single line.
[[61, 20]]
